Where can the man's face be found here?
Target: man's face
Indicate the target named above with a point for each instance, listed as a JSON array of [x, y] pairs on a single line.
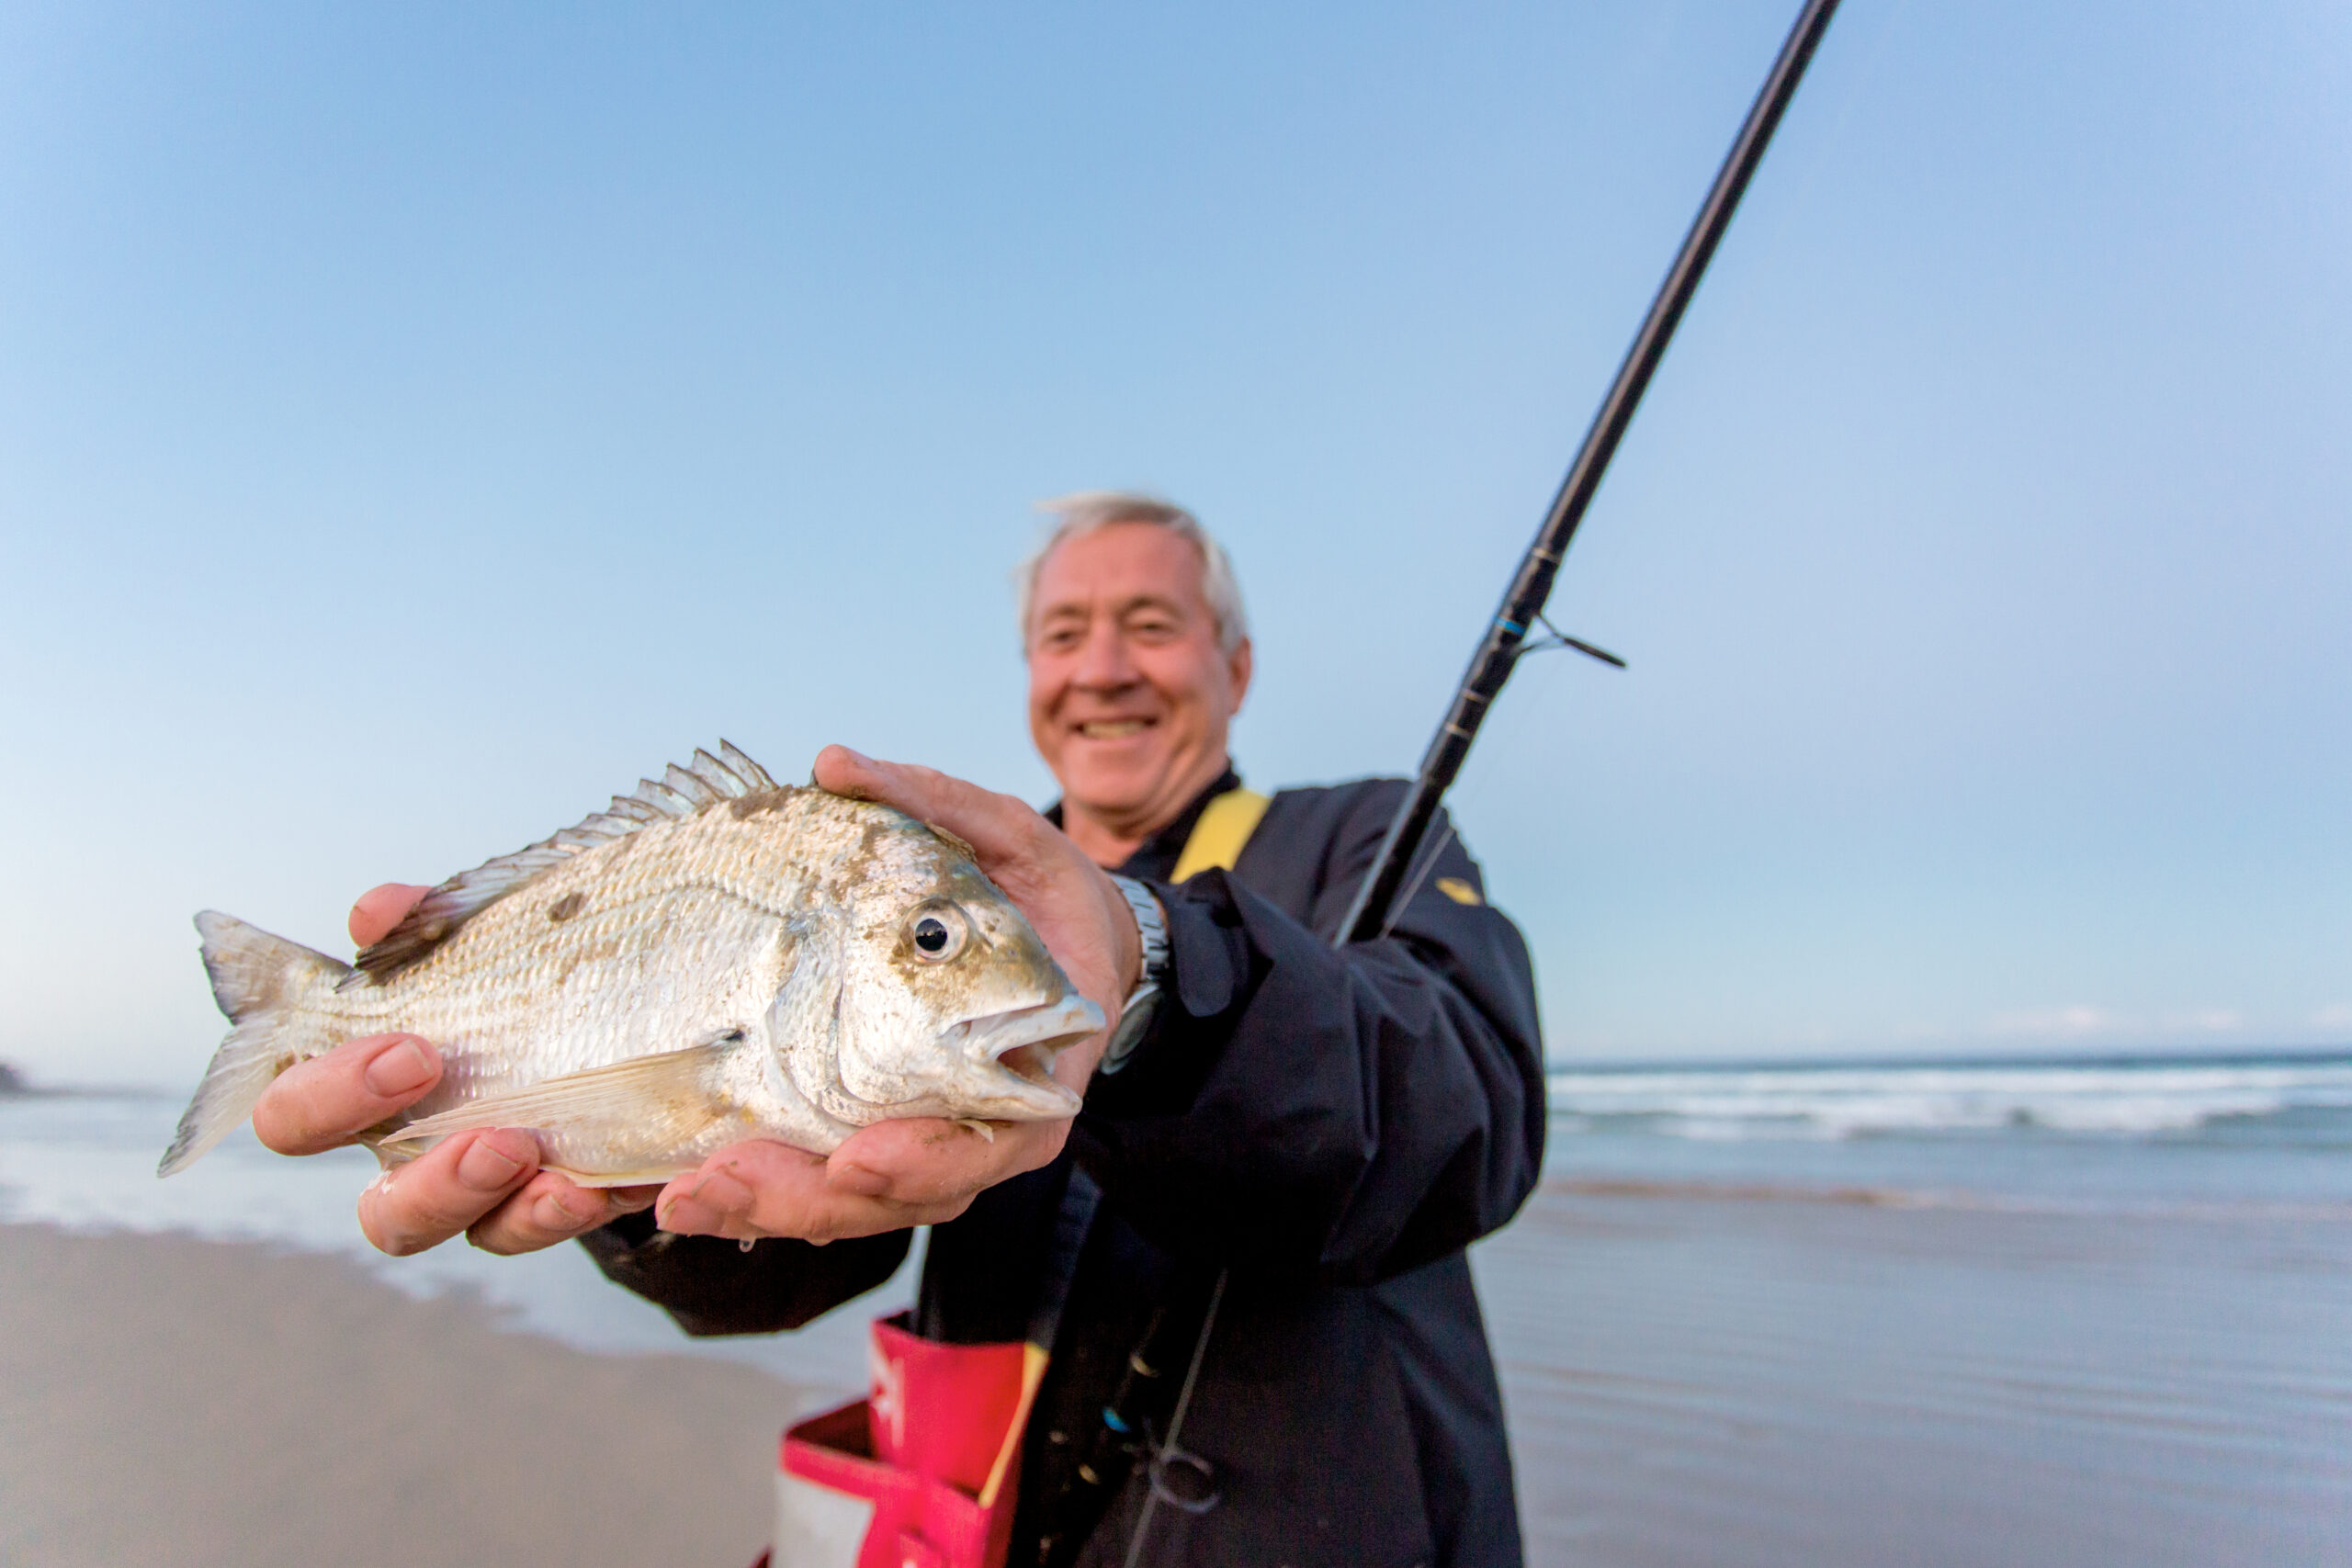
[[1129, 695]]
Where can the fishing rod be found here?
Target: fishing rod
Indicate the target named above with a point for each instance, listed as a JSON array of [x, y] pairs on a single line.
[[1500, 649], [1522, 608]]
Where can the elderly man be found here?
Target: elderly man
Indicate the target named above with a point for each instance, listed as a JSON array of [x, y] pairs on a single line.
[[1322, 1130]]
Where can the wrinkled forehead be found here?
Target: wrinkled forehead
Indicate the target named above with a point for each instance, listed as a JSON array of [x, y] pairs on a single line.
[[1118, 566]]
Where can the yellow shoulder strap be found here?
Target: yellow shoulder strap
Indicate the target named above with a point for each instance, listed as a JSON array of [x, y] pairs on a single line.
[[1223, 829]]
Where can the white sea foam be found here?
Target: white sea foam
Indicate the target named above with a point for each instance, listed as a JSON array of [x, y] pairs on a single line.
[[1832, 1102]]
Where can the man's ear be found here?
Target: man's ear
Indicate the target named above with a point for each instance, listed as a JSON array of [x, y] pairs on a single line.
[[1237, 668]]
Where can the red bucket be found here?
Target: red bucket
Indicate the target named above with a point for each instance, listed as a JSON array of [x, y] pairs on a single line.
[[934, 1448]]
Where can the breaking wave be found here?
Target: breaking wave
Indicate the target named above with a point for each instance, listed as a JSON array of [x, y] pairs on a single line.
[[2310, 1095]]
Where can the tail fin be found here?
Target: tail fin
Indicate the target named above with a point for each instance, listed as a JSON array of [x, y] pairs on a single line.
[[255, 979]]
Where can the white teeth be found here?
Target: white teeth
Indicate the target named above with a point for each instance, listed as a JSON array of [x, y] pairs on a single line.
[[1110, 728]]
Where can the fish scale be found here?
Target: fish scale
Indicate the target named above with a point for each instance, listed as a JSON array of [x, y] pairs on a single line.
[[710, 958]]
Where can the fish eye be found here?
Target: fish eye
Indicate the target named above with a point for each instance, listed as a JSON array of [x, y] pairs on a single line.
[[938, 931]]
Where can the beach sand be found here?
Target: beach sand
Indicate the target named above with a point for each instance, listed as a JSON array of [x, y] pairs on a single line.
[[1748, 1380], [171, 1400]]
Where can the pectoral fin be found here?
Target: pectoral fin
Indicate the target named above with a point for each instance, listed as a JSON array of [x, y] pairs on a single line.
[[639, 1121]]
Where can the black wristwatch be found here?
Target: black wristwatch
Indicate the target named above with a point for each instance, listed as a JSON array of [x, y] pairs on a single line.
[[1134, 1017]]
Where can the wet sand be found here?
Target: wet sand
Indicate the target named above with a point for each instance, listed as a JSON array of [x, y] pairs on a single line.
[[1766, 1380], [1744, 1377], [169, 1401]]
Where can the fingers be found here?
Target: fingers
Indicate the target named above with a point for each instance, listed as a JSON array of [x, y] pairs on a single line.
[[549, 1208], [763, 1188], [446, 1190], [923, 1160], [380, 908], [322, 1103], [998, 826], [759, 1187], [488, 1182]]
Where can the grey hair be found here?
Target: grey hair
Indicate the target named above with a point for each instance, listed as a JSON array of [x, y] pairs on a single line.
[[1088, 510]]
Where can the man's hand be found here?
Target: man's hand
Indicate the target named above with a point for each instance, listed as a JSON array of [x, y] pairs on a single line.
[[487, 1184], [923, 1170]]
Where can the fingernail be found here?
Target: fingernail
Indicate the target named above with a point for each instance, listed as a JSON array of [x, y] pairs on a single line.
[[486, 1167], [860, 758], [398, 1068], [686, 1217], [858, 1179]]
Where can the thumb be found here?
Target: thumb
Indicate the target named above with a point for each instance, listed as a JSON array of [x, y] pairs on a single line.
[[992, 824], [379, 909]]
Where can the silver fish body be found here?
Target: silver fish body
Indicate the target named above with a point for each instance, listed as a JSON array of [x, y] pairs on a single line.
[[711, 959]]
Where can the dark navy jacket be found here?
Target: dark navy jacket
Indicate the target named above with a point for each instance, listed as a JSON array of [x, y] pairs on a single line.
[[1334, 1126]]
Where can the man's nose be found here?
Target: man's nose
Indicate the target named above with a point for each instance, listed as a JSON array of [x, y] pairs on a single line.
[[1102, 661]]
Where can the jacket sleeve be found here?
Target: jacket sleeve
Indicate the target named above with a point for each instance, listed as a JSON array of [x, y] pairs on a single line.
[[712, 1286], [1341, 1113]]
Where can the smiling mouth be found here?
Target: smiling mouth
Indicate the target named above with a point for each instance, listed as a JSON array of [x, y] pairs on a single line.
[[1113, 729]]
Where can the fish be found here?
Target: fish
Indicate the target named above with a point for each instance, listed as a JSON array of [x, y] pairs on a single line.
[[711, 958]]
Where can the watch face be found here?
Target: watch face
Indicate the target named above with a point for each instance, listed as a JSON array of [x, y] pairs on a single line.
[[1135, 1022]]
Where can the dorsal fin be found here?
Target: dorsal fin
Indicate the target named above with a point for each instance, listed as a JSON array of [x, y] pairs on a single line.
[[681, 792]]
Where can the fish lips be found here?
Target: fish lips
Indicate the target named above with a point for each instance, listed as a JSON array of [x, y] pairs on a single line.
[[1014, 1053]]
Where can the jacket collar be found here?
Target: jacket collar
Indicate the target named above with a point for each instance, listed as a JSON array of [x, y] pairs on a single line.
[[1155, 859]]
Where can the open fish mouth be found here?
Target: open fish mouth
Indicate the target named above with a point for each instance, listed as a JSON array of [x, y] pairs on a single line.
[[1019, 1047]]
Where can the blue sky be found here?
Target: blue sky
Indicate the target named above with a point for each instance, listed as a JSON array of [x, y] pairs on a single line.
[[415, 422]]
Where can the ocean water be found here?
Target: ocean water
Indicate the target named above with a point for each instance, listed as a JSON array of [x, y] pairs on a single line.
[[2242, 1134], [2087, 1312]]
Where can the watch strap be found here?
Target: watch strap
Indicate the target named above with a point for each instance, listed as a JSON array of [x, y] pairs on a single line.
[[1136, 1013]]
